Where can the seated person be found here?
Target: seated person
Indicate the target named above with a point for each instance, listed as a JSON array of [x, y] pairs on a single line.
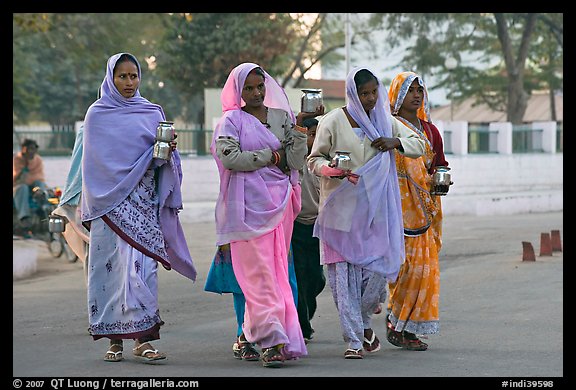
[[27, 173]]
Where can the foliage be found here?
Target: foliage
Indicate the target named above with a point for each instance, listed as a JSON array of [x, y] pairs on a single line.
[[481, 43], [60, 60], [199, 50]]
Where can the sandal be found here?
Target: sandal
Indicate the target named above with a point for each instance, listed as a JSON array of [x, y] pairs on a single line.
[[114, 356], [393, 336], [244, 350], [149, 354], [413, 343], [373, 344], [272, 357], [352, 353]]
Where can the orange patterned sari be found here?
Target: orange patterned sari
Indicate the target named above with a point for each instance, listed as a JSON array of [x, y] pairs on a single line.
[[413, 301]]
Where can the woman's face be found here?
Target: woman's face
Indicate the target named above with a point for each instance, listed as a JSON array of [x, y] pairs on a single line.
[[368, 94], [126, 78], [414, 97], [254, 90]]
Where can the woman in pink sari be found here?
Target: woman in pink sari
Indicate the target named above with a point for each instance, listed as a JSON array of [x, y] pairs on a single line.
[[258, 150]]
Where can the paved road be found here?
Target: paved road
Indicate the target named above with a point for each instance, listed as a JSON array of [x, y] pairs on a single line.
[[500, 317]]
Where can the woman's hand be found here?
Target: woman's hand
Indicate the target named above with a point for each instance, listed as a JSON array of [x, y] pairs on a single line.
[[173, 143], [385, 144], [305, 115]]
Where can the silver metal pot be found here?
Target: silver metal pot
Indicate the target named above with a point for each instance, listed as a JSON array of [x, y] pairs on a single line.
[[56, 223], [311, 99], [441, 181], [342, 160], [162, 150], [165, 131]]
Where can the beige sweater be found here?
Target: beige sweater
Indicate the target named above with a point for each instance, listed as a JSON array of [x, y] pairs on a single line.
[[334, 133]]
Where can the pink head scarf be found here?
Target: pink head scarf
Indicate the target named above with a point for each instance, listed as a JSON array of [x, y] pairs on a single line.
[[231, 97]]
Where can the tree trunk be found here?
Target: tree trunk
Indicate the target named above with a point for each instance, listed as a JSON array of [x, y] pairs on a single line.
[[552, 104], [517, 100], [517, 96]]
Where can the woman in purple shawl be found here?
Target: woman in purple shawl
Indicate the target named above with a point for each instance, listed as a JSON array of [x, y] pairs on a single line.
[[130, 203], [359, 220], [258, 151]]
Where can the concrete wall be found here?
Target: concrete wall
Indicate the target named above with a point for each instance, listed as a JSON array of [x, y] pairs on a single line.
[[505, 184], [483, 184]]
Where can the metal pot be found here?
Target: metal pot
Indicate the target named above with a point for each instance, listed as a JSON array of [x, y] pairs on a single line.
[[441, 181], [165, 131], [56, 223], [342, 160], [162, 150], [311, 99]]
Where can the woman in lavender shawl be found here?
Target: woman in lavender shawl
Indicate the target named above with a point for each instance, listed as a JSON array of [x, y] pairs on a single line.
[[359, 222], [130, 203], [258, 151]]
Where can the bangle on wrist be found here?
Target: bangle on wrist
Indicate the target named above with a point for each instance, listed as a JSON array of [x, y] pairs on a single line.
[[276, 156], [301, 129]]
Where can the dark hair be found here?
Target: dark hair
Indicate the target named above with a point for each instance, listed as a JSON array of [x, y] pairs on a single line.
[[259, 71], [364, 76], [29, 142], [310, 122], [125, 58]]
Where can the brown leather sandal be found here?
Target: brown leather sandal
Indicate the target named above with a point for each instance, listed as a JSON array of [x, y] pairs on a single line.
[[272, 357]]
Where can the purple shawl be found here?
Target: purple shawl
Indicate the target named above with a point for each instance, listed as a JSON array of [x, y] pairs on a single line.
[[363, 222], [250, 203], [119, 136]]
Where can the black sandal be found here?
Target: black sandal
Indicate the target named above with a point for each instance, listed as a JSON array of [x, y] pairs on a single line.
[[244, 350], [393, 336], [413, 343], [272, 357]]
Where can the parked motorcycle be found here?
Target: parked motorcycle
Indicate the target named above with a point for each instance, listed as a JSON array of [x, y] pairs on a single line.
[[42, 203]]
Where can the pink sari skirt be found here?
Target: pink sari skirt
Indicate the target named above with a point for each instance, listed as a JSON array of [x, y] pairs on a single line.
[[261, 268]]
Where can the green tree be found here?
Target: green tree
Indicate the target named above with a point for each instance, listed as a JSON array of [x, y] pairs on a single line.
[[504, 61], [199, 50], [60, 60]]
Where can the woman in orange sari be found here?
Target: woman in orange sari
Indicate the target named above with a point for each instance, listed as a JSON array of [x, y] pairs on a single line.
[[414, 296]]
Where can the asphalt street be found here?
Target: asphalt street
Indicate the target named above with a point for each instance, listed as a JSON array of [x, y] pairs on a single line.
[[501, 317]]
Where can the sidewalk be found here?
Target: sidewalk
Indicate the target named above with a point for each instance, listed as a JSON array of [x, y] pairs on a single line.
[[500, 317]]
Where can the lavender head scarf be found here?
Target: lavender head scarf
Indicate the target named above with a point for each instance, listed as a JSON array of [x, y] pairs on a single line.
[[250, 203], [119, 136], [363, 222]]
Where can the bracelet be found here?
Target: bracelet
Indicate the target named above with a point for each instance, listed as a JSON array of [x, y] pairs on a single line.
[[301, 129], [276, 156]]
